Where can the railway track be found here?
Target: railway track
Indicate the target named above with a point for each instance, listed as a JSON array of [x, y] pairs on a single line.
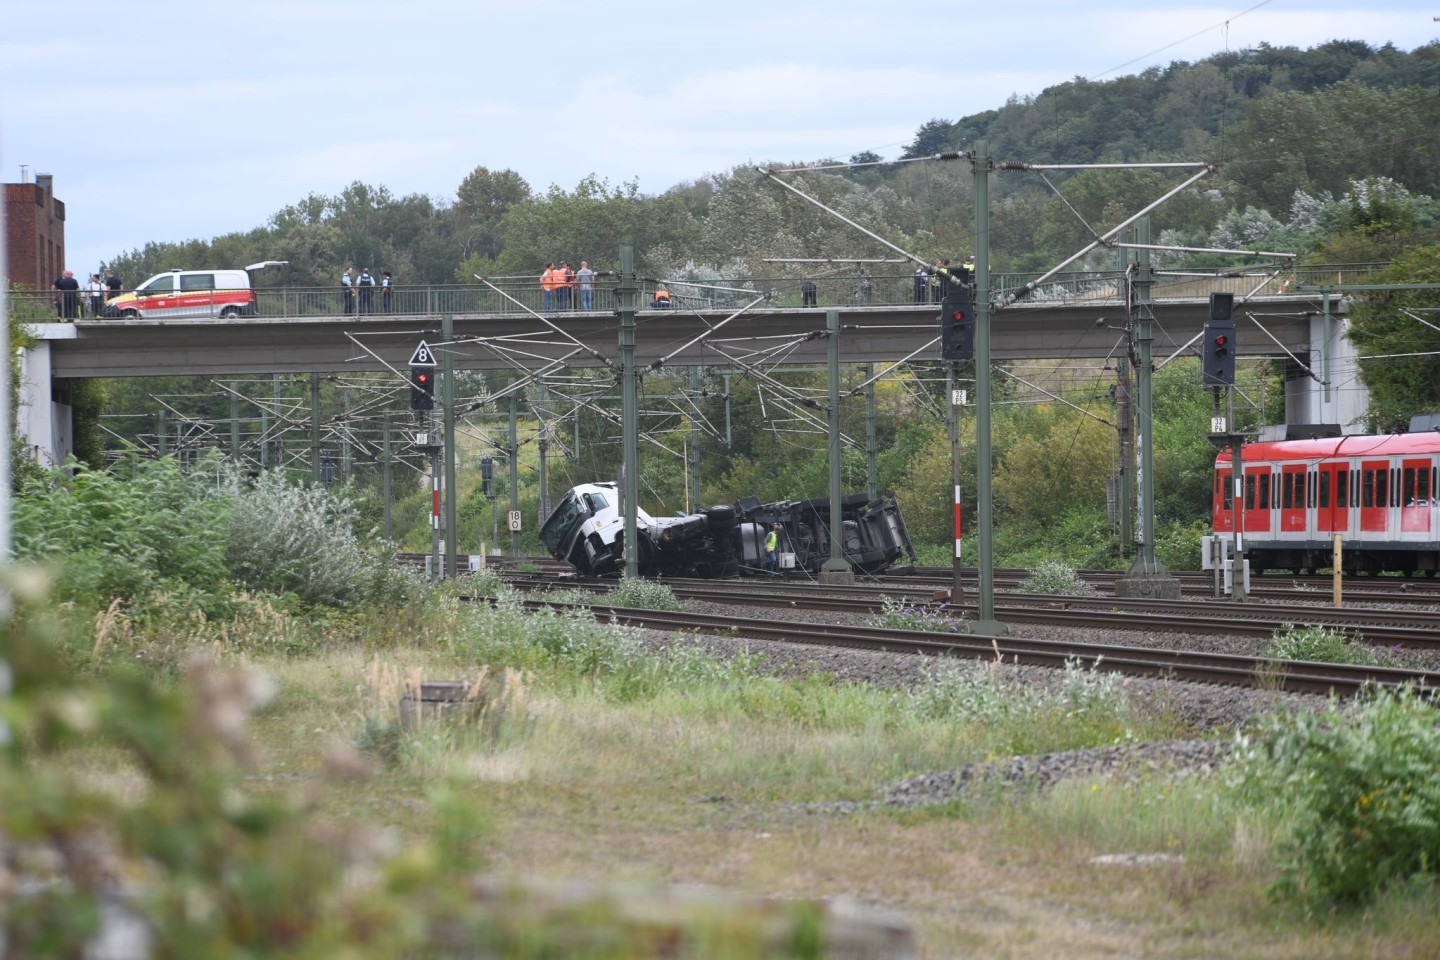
[[1214, 668], [1390, 628]]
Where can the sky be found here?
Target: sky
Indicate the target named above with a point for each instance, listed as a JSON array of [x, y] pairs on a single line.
[[168, 121]]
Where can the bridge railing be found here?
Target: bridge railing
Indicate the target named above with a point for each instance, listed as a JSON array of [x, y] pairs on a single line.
[[517, 295]]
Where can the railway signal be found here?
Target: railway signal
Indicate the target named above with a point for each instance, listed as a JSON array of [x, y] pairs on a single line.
[[1219, 347], [422, 388], [957, 323]]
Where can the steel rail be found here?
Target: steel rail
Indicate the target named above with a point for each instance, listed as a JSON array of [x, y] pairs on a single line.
[[1227, 669]]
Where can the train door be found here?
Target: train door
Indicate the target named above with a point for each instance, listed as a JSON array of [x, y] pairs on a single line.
[[1257, 499], [1222, 503], [1292, 498], [1332, 498], [1374, 495], [1415, 503]]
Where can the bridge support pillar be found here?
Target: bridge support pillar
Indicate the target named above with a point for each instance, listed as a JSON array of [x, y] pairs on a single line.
[[43, 415]]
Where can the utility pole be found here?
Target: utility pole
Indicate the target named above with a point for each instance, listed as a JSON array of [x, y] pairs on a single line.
[[447, 410], [1147, 576], [836, 569], [871, 447], [630, 410], [985, 622]]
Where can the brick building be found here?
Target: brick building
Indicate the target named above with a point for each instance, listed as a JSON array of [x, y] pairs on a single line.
[[34, 233]]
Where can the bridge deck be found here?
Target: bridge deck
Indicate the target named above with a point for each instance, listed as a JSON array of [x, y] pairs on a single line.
[[1085, 329]]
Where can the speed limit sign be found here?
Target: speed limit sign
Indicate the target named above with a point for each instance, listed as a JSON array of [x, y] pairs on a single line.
[[514, 521]]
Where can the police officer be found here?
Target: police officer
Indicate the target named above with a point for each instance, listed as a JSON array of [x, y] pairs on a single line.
[[366, 283], [921, 279], [347, 290], [968, 271]]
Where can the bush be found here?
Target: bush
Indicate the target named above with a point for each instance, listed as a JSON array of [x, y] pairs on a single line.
[[143, 526], [1052, 576], [900, 615], [284, 538], [643, 594], [1323, 645], [1354, 794]]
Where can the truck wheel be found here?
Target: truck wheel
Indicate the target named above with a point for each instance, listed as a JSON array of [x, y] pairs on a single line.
[[229, 313]]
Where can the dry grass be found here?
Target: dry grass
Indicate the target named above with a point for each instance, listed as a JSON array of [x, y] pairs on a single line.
[[655, 792]]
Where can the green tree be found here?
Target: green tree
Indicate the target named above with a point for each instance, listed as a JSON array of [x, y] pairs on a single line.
[[1399, 354]]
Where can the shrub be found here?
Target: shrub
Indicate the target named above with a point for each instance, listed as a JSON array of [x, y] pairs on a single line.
[[1323, 645], [1354, 794], [644, 594], [123, 533], [1053, 576], [285, 538], [902, 615]]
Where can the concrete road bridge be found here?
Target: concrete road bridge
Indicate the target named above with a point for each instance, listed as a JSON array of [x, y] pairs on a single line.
[[293, 333]]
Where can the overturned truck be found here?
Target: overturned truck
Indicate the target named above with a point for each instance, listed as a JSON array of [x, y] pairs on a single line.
[[587, 530]]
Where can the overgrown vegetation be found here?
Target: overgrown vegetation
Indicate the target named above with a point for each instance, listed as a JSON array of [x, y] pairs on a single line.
[[904, 615], [1324, 645], [1351, 794], [644, 594], [1052, 576], [558, 699]]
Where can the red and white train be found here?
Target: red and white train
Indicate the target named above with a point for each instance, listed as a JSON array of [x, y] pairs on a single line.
[[1379, 494]]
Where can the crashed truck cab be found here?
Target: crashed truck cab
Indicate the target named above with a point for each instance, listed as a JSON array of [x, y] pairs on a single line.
[[587, 530]]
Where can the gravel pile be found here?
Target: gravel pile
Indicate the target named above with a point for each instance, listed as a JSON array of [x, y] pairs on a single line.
[[1043, 771]]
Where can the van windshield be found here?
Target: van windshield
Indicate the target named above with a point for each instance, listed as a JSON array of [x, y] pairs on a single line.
[[165, 284]]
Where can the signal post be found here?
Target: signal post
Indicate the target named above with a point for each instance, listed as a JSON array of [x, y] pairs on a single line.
[[422, 401]]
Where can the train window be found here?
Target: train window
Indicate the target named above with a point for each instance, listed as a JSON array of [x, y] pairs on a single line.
[[1250, 491], [1310, 490], [1325, 490], [1264, 491], [1381, 493], [1368, 499], [1227, 491], [1408, 479], [1287, 491], [1354, 477], [1395, 487]]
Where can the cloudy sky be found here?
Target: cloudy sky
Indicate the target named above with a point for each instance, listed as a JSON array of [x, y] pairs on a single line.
[[166, 121]]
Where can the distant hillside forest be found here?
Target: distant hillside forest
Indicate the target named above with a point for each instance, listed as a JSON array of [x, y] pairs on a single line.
[[1291, 131]]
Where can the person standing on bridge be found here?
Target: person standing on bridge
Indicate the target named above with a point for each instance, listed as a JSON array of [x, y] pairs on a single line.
[[113, 286], [967, 272], [921, 279], [807, 293], [96, 289], [586, 277], [347, 291], [547, 287], [386, 287], [567, 285], [67, 304], [938, 280], [366, 283]]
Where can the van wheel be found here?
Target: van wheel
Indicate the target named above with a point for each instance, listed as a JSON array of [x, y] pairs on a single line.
[[131, 314], [229, 313]]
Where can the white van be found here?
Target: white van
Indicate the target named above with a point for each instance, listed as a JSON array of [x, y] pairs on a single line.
[[187, 294]]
